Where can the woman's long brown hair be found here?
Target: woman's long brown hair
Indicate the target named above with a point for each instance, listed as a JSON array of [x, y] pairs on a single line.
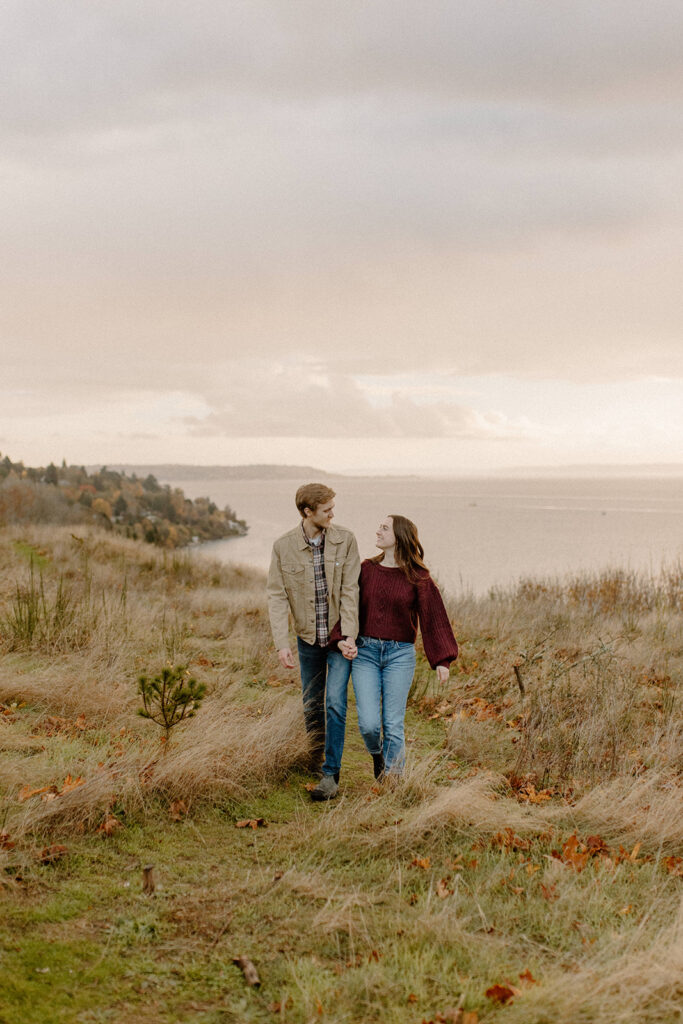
[[408, 552]]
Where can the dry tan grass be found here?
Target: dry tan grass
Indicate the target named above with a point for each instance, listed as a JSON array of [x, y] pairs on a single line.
[[473, 807], [617, 986], [601, 663], [233, 750], [647, 809], [133, 607], [230, 752], [599, 725]]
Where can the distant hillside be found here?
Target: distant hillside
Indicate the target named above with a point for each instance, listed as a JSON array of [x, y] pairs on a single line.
[[171, 471], [137, 506], [640, 470]]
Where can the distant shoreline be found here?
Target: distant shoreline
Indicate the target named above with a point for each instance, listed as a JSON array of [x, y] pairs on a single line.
[[182, 472]]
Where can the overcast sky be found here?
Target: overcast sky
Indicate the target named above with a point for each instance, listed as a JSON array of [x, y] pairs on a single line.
[[376, 235]]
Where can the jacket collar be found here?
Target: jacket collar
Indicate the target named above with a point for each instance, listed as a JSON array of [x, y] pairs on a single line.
[[332, 536]]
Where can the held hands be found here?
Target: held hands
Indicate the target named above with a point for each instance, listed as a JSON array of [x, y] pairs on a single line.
[[285, 657], [348, 648], [442, 673]]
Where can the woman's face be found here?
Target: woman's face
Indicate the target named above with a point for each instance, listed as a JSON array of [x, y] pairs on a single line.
[[384, 538]]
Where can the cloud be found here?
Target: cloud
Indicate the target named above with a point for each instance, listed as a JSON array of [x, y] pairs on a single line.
[[83, 64], [261, 207], [258, 400]]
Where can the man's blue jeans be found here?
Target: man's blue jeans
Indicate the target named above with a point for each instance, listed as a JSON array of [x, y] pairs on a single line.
[[382, 675], [324, 684]]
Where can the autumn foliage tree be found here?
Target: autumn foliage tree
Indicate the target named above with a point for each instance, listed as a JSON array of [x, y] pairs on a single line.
[[140, 509]]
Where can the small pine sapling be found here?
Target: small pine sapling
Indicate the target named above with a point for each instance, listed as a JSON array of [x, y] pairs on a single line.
[[170, 697]]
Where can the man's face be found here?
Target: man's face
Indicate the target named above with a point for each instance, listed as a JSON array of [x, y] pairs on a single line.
[[323, 515]]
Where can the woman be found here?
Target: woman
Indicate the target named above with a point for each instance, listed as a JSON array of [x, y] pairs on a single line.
[[396, 594]]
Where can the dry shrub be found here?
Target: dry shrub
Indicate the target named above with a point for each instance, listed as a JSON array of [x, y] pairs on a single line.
[[609, 591], [599, 658], [581, 727]]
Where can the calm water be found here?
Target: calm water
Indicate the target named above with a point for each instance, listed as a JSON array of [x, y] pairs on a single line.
[[477, 533]]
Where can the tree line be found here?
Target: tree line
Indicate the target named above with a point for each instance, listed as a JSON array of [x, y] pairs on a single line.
[[140, 508]]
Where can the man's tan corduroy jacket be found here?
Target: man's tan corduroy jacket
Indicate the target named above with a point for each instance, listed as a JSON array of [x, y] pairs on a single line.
[[291, 587]]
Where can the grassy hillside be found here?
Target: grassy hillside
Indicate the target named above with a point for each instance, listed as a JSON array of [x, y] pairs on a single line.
[[528, 869]]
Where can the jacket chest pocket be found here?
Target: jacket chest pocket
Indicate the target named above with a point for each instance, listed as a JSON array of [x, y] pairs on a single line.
[[292, 571]]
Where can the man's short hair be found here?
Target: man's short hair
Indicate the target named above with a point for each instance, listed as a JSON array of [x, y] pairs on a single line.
[[312, 495]]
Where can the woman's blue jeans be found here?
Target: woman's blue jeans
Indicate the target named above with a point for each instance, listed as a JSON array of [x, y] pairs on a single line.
[[324, 684], [382, 674]]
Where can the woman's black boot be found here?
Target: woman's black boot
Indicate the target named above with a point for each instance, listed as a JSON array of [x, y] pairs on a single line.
[[378, 765]]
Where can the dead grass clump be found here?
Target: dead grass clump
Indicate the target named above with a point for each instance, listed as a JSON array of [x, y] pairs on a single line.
[[567, 697], [229, 751], [472, 807], [612, 591], [69, 686], [85, 806], [648, 809], [232, 750], [616, 986], [396, 820], [56, 615], [482, 744]]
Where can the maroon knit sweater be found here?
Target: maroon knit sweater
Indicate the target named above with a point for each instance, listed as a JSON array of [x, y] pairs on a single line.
[[391, 608]]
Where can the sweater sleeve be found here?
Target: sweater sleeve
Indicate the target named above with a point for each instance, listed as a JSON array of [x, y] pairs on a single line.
[[440, 645]]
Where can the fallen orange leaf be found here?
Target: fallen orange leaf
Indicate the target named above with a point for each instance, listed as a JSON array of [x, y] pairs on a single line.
[[528, 977], [507, 840], [502, 993], [251, 823], [442, 889], [178, 810], [421, 862], [109, 825], [26, 792], [575, 853], [71, 783], [674, 865]]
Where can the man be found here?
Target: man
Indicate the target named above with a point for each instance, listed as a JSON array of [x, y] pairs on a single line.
[[314, 576]]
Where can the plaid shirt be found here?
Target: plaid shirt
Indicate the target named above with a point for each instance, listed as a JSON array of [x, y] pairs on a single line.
[[322, 633]]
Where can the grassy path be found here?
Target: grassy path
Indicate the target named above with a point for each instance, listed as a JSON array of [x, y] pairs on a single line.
[[83, 943]]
